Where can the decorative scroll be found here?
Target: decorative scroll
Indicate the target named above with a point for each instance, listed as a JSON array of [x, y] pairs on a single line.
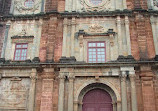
[[90, 6], [155, 2], [20, 7]]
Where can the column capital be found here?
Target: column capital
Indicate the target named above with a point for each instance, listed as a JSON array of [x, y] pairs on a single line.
[[123, 77], [61, 77], [132, 77]]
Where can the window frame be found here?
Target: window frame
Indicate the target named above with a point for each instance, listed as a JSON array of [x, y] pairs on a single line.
[[20, 51], [96, 51]]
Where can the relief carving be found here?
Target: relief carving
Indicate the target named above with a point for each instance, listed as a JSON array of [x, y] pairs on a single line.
[[95, 28], [14, 93], [90, 5], [20, 7], [155, 2]]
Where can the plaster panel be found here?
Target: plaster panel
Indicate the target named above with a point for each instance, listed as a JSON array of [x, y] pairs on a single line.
[[14, 93]]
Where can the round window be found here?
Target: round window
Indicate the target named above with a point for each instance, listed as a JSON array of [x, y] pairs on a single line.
[[29, 3], [95, 2]]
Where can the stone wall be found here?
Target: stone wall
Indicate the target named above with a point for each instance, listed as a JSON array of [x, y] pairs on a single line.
[[51, 40]]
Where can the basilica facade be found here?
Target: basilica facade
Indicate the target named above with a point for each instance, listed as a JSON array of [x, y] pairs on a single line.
[[78, 55]]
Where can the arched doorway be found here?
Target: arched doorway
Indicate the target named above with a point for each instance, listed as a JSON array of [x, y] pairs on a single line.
[[97, 100]]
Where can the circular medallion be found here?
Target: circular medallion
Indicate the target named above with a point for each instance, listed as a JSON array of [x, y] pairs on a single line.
[[29, 3]]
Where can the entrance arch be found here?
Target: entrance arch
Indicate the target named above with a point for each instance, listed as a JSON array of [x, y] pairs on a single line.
[[97, 100]]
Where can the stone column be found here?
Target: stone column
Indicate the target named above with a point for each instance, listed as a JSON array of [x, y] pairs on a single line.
[[75, 105], [74, 5], [42, 6], [154, 28], [73, 22], [12, 7], [128, 35], [31, 103], [64, 47], [66, 5], [118, 106], [71, 94], [61, 93], [133, 91], [119, 35], [123, 91], [5, 40], [124, 4]]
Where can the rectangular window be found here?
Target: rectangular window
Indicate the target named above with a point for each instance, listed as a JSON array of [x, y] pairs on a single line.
[[96, 52], [20, 52]]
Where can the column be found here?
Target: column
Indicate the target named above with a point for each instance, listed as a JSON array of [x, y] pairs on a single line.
[[5, 40], [81, 47], [123, 91], [71, 94], [75, 105], [156, 37], [64, 49], [118, 106], [128, 35], [42, 6], [66, 5], [73, 22], [31, 103], [61, 93], [133, 91], [119, 35], [12, 7], [74, 5], [124, 4]]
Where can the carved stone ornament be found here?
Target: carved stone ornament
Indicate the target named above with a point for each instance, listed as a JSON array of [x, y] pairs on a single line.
[[100, 5], [95, 28], [20, 6], [155, 2]]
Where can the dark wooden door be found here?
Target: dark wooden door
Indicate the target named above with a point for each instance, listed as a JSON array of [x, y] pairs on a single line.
[[97, 100]]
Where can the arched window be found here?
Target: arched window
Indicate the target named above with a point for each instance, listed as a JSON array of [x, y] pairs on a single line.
[[29, 3]]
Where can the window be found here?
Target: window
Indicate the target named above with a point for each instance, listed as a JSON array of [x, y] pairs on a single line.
[[29, 3], [96, 52], [95, 2], [20, 52]]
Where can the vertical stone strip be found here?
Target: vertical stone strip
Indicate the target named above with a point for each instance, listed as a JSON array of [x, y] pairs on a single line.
[[64, 48], [73, 22], [12, 7], [118, 106], [5, 40], [128, 35], [42, 6], [118, 21], [61, 93], [133, 91], [123, 91], [154, 28], [76, 106], [74, 5], [31, 103], [71, 95], [124, 4]]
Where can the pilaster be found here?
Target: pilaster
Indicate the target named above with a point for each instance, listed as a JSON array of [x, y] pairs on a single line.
[[123, 91], [71, 94], [33, 78], [128, 35], [118, 21], [61, 92], [5, 40], [73, 23], [64, 48], [132, 77]]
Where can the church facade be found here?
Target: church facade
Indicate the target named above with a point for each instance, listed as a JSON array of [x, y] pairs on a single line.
[[78, 55]]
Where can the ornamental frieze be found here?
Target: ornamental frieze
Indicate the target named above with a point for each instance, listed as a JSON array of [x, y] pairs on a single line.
[[96, 5]]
